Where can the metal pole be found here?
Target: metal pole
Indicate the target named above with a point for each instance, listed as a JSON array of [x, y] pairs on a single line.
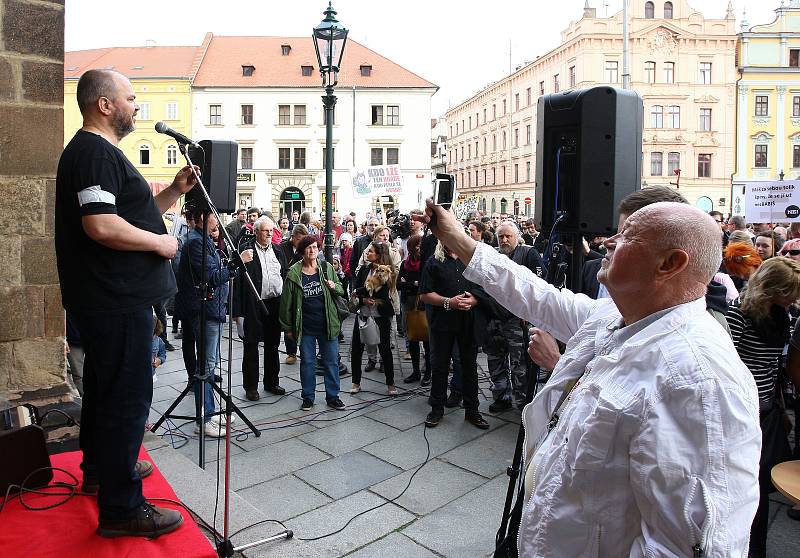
[[626, 68], [329, 100]]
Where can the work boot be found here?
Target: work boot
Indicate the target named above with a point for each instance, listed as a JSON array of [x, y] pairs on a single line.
[[150, 522]]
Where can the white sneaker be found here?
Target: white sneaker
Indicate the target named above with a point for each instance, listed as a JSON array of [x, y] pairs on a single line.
[[213, 429]]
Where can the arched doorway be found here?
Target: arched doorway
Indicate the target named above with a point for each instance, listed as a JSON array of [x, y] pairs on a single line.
[[503, 205], [292, 199], [516, 207], [494, 205]]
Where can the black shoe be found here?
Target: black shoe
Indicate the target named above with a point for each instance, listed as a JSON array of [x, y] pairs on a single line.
[[307, 405], [276, 389], [252, 395], [453, 400], [501, 405], [426, 380], [149, 521], [336, 404], [477, 420], [371, 364], [414, 377], [433, 419], [344, 371], [169, 346], [91, 484]]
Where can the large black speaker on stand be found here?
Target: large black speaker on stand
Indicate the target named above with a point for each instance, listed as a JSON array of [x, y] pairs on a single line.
[[588, 157], [218, 162]]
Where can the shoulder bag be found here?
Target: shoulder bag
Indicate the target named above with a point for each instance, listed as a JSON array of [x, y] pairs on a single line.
[[341, 304], [416, 323]]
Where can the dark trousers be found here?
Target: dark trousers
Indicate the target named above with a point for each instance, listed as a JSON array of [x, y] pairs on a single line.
[[384, 348], [118, 390], [442, 346], [188, 351], [271, 335]]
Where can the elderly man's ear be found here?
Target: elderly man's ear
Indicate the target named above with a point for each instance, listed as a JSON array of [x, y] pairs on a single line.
[[672, 263]]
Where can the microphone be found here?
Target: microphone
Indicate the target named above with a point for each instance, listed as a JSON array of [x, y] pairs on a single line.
[[162, 128]]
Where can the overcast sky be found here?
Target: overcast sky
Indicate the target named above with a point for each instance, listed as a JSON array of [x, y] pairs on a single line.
[[460, 45]]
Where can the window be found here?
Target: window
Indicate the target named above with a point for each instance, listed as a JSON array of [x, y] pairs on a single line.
[[796, 156], [144, 111], [612, 71], [572, 76], [247, 158], [541, 88], [284, 115], [705, 73], [516, 173], [470, 122], [516, 101], [484, 146], [669, 72], [528, 96], [484, 177], [299, 157], [172, 111], [649, 72], [667, 10], [333, 158], [172, 154], [795, 106], [649, 10], [762, 105], [285, 50], [705, 119], [704, 165], [284, 158], [761, 157], [504, 107], [673, 117], [494, 112], [373, 114], [366, 70], [393, 115], [376, 156], [505, 144], [469, 151], [247, 71], [215, 115], [469, 180], [306, 71], [657, 116], [504, 175], [527, 171], [556, 84], [516, 137], [392, 156], [144, 155], [377, 116], [656, 163], [494, 181], [484, 116], [476, 148], [247, 115], [300, 115], [462, 153], [494, 142], [673, 163], [528, 134], [794, 57]]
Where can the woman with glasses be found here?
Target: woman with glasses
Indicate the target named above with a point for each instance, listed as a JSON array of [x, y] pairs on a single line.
[[791, 249]]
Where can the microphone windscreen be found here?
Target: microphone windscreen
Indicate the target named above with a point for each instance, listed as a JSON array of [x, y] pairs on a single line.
[[161, 127]]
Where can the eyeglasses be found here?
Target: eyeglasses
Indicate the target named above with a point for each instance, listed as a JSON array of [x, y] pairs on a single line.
[[791, 252]]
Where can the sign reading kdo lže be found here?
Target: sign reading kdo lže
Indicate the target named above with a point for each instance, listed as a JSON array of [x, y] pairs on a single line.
[[376, 181], [772, 202]]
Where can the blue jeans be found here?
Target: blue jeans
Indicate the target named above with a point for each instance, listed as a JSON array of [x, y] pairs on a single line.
[[329, 353], [213, 334]]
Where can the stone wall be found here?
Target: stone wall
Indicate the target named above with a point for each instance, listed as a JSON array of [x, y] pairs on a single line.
[[32, 363]]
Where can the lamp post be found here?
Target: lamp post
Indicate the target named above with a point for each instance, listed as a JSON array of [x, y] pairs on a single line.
[[329, 40]]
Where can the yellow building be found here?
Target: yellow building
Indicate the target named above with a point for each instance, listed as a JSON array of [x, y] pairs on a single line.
[[161, 78], [768, 101]]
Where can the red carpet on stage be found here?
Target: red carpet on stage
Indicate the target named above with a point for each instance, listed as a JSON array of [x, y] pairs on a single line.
[[68, 531]]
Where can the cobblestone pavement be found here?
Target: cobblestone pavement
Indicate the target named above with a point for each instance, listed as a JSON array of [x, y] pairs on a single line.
[[316, 471]]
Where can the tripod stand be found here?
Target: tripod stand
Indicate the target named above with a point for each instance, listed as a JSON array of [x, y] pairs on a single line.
[[225, 547]]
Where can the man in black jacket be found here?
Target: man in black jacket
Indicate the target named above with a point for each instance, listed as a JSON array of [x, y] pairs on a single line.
[[267, 270], [360, 244], [506, 334]]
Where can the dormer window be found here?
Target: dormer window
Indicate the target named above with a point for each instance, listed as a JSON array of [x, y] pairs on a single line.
[[307, 70], [366, 70], [285, 50], [247, 71]]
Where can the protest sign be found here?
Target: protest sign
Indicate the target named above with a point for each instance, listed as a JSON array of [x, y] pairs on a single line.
[[772, 202], [376, 181]]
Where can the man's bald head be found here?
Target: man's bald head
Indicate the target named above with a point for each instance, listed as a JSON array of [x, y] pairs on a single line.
[[683, 227], [95, 84]]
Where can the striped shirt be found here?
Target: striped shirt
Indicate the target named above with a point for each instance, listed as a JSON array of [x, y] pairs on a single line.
[[761, 358]]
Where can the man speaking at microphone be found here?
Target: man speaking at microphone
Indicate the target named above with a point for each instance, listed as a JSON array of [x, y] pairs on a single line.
[[113, 255]]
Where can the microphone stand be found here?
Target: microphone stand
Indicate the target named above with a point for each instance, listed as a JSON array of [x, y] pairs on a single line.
[[225, 548]]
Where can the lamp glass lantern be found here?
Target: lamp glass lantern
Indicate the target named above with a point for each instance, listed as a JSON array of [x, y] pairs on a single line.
[[329, 37]]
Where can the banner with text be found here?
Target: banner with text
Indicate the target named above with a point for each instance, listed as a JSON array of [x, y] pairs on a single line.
[[384, 180], [772, 202], [467, 206]]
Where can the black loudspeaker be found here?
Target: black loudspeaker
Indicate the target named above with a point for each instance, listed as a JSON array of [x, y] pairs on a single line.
[[588, 157], [218, 161], [26, 458]]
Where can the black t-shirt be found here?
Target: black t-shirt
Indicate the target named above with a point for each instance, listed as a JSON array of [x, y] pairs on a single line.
[[94, 177], [313, 305], [446, 279]]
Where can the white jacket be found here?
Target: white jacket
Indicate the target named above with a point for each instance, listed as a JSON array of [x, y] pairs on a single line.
[[656, 450]]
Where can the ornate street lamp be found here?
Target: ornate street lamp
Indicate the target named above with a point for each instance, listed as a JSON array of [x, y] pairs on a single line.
[[329, 40]]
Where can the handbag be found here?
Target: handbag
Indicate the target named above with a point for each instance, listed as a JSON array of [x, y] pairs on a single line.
[[368, 330], [416, 323], [342, 307]]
